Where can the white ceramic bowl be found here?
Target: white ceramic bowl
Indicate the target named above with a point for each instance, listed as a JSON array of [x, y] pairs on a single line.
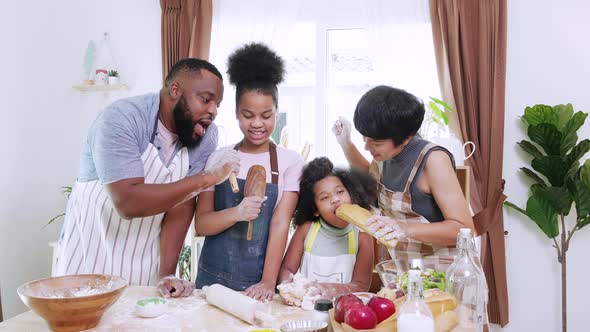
[[305, 326], [151, 307]]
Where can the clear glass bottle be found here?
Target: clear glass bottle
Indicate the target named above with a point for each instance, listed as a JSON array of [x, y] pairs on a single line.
[[467, 282], [414, 314]]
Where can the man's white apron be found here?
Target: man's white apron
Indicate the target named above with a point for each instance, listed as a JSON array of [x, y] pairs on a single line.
[[95, 239]]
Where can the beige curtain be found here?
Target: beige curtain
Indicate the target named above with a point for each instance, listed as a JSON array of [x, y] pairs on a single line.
[[470, 46], [186, 30]]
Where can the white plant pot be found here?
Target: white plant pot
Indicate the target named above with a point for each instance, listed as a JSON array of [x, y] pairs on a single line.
[[113, 80]]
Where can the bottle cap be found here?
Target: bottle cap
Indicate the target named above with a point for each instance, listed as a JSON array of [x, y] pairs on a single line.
[[323, 305]]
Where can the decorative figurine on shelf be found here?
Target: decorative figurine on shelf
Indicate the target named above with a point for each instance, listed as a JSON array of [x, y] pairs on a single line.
[[113, 77], [103, 61], [88, 60], [101, 77]]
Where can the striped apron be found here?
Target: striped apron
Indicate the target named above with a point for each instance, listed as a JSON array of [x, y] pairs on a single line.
[[398, 206], [96, 239], [337, 269]]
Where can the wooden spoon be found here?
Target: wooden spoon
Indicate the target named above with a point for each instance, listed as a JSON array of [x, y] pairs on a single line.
[[255, 186]]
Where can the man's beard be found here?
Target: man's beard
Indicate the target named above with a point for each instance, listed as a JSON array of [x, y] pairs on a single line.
[[185, 125]]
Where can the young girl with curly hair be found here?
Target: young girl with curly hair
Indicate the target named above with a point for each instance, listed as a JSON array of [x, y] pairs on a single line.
[[325, 248]]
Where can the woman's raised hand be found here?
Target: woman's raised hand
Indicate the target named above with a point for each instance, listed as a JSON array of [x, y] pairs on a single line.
[[341, 130]]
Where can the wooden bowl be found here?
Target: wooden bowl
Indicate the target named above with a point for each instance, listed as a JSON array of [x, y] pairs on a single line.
[[74, 302]]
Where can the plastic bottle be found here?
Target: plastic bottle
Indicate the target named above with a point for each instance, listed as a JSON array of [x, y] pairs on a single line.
[[414, 314], [467, 282], [321, 307]]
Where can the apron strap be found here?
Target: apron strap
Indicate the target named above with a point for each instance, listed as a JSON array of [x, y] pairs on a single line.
[[375, 170], [417, 165], [352, 242], [313, 233], [274, 164]]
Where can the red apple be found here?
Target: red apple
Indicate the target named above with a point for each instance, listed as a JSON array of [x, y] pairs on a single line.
[[382, 307], [342, 303], [360, 317]]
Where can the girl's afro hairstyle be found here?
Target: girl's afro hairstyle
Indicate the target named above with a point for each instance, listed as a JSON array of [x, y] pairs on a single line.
[[255, 62], [361, 187]]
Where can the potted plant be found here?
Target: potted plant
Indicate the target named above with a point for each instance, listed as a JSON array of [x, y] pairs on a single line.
[[435, 121], [184, 263], [67, 191], [434, 129], [558, 180], [88, 60], [113, 77]]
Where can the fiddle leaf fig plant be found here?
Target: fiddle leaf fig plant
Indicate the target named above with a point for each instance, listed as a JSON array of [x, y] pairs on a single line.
[[558, 179]]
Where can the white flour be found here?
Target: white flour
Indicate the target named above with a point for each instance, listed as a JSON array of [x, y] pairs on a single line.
[[86, 290], [185, 314]]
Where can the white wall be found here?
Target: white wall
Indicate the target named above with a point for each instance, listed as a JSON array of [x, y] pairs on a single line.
[[43, 120], [547, 62]]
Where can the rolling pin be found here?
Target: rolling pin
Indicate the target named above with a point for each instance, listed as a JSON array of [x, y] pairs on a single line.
[[237, 304], [233, 181], [255, 186]]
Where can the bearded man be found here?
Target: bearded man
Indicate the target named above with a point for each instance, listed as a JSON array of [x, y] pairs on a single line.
[[141, 166]]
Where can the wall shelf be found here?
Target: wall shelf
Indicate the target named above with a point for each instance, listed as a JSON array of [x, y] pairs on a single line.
[[107, 87]]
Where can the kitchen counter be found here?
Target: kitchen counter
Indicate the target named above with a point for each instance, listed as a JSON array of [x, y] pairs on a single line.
[[184, 314]]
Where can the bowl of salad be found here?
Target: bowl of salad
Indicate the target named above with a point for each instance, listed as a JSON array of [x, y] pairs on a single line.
[[394, 273]]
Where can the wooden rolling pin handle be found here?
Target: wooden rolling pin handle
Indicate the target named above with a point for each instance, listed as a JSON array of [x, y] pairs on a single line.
[[249, 235], [233, 181]]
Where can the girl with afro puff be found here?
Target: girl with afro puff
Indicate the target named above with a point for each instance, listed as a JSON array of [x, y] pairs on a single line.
[[325, 248], [229, 257]]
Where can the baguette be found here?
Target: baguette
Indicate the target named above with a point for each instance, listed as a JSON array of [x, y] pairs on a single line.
[[357, 216], [446, 321]]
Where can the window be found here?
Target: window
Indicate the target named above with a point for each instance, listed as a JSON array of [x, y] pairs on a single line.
[[332, 56]]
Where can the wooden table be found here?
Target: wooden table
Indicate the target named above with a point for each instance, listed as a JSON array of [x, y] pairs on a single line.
[[185, 314]]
